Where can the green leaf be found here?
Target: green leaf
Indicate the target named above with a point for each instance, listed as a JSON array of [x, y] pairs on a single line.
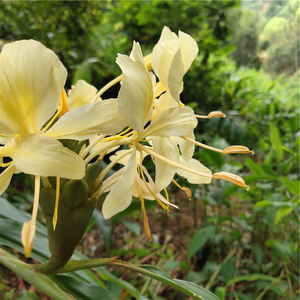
[[258, 253], [186, 287], [262, 203], [199, 239], [254, 168], [220, 291], [82, 290], [292, 186], [104, 227], [28, 273], [84, 70], [134, 227], [282, 212], [276, 142], [251, 277]]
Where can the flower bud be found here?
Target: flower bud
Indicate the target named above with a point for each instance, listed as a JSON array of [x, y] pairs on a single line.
[[237, 149], [28, 234], [231, 178]]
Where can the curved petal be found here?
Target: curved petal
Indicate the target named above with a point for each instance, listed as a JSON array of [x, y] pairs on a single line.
[[164, 172], [85, 121], [175, 75], [136, 90], [166, 35], [194, 165], [189, 49], [31, 79], [80, 94], [176, 121], [187, 148], [120, 195], [36, 154], [5, 178]]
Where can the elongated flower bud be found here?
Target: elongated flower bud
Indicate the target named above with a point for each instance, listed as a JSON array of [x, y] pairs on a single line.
[[75, 211], [230, 177], [237, 149], [28, 234]]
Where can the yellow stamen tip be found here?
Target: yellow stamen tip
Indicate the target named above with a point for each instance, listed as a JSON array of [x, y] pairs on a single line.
[[187, 192], [214, 114], [237, 149], [231, 178]]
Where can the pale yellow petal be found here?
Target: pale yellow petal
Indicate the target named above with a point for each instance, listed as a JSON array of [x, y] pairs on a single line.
[[5, 178], [136, 94], [194, 165], [187, 148], [166, 101], [175, 75], [40, 155], [121, 194], [189, 49], [176, 121], [80, 94], [166, 35], [85, 121], [31, 79], [164, 172]]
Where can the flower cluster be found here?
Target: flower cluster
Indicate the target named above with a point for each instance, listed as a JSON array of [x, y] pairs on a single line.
[[146, 119]]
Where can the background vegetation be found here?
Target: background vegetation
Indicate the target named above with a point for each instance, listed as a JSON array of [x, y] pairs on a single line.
[[239, 244]]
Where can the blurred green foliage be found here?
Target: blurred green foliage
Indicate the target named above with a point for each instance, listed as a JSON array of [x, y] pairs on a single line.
[[247, 246]]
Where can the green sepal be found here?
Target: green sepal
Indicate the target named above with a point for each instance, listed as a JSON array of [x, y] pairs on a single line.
[[75, 210]]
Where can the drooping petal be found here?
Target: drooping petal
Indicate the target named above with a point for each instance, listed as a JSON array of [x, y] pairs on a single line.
[[136, 90], [80, 94], [164, 172], [31, 79], [187, 148], [36, 154], [5, 178], [176, 121], [194, 165], [85, 121], [120, 195]]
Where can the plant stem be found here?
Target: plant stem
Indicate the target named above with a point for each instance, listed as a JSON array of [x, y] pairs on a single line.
[[72, 266], [216, 273]]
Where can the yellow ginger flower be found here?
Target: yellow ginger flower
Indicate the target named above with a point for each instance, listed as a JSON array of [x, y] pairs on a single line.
[[31, 83], [137, 91], [164, 129]]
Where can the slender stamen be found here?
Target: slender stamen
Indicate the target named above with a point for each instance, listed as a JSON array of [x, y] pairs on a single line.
[[149, 188], [29, 228], [106, 87], [57, 113], [91, 145], [167, 198], [228, 150], [177, 165], [185, 189], [105, 171], [201, 145], [54, 221], [120, 142]]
